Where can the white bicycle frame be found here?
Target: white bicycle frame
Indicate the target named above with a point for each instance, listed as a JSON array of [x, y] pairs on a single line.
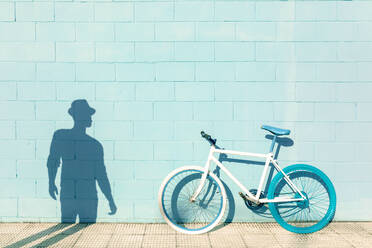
[[254, 198]]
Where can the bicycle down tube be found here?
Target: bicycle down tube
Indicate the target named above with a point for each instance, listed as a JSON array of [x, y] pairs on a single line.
[[255, 198]]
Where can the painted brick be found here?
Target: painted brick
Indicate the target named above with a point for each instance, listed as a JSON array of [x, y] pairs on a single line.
[[153, 11], [133, 111], [52, 111], [27, 51], [135, 72], [275, 51], [10, 149], [55, 72], [194, 11], [155, 92], [364, 112], [335, 152], [23, 31], [134, 31], [8, 188], [114, 52], [104, 110], [74, 11], [35, 129], [159, 51], [55, 31], [234, 11], [38, 11], [194, 51], [94, 32], [194, 92], [32, 169], [300, 152], [73, 91], [262, 111], [177, 71], [355, 51], [146, 170], [190, 130], [285, 31], [363, 72], [95, 72], [213, 111], [293, 111], [36, 91], [43, 148], [336, 72], [361, 150], [175, 31], [254, 92], [8, 91], [75, 52], [316, 52], [296, 72], [361, 29], [17, 110], [252, 71], [173, 151], [173, 111], [8, 167], [115, 91], [7, 11], [233, 130], [133, 151], [313, 131], [113, 130], [215, 31], [316, 11], [123, 189], [9, 208], [7, 130], [210, 71], [15, 71], [256, 31], [352, 132], [354, 92], [122, 170], [149, 131], [353, 11], [275, 11], [315, 92], [235, 51], [113, 12], [335, 111], [37, 207]]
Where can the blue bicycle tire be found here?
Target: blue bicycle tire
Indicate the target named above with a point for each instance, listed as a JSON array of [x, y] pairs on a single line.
[[305, 216]]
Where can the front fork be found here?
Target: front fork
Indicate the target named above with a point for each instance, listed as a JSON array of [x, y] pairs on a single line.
[[204, 176]]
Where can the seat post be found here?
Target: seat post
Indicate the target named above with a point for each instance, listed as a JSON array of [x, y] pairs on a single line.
[[273, 144]]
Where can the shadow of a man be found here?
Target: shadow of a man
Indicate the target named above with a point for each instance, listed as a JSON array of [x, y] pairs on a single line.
[[82, 162]]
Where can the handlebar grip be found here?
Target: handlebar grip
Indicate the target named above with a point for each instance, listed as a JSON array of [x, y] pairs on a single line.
[[208, 138]]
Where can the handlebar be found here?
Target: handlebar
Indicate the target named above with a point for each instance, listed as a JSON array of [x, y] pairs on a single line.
[[208, 138]]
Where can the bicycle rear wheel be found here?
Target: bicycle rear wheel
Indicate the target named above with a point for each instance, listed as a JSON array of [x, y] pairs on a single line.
[[306, 216], [184, 215]]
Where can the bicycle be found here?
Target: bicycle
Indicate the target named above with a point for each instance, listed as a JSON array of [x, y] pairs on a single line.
[[301, 198]]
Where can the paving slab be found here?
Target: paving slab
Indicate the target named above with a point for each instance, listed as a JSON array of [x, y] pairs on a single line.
[[37, 235]]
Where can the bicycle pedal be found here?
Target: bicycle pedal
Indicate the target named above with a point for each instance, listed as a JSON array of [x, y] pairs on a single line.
[[244, 196]]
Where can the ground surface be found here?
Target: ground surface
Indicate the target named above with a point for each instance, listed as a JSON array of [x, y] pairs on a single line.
[[337, 234]]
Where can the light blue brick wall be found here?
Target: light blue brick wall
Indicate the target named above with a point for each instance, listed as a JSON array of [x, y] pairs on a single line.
[[159, 72]]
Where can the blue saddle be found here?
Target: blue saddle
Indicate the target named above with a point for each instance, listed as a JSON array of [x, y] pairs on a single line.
[[276, 131]]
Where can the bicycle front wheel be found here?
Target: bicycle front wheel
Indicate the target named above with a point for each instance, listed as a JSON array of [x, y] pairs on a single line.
[[184, 215], [307, 216]]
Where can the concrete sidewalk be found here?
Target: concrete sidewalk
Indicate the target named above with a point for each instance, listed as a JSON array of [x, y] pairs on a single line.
[[337, 234]]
